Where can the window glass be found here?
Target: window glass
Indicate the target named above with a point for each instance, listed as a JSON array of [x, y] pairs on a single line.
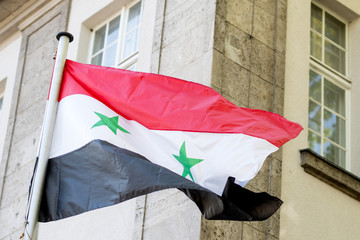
[[327, 119], [315, 86], [113, 30], [316, 45], [116, 42], [328, 39], [316, 18], [132, 31], [315, 116], [334, 57], [334, 97], [334, 30], [99, 39], [315, 142]]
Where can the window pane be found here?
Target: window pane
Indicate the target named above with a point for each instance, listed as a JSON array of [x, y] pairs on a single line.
[[335, 30], [334, 154], [130, 43], [99, 39], [334, 128], [110, 54], [314, 116], [316, 18], [314, 142], [134, 16], [315, 86], [334, 57], [97, 60], [334, 97], [113, 30], [315, 45]]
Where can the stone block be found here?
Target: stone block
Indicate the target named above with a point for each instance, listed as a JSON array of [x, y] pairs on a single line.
[[14, 235], [260, 182], [279, 101], [159, 9], [171, 215], [278, 154], [35, 90], [250, 233], [238, 46], [264, 26], [262, 60], [281, 28], [260, 96], [28, 121], [280, 69], [23, 152], [12, 217], [39, 60], [221, 8], [198, 70], [235, 81], [186, 17], [45, 33], [266, 5], [218, 230], [276, 169], [219, 33], [239, 14], [187, 48], [158, 28], [217, 69], [234, 101], [17, 184], [155, 56], [274, 225]]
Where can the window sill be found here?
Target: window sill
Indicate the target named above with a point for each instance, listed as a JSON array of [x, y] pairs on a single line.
[[333, 175]]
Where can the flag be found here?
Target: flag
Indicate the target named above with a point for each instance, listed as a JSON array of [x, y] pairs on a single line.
[[121, 134]]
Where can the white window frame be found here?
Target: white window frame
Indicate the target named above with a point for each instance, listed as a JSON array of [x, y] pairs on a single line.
[[131, 60], [323, 37], [337, 78]]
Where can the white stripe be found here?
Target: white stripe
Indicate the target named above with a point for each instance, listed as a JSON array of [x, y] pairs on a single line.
[[224, 155]]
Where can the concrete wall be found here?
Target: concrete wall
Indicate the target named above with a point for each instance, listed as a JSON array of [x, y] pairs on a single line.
[[30, 86], [248, 69], [312, 208]]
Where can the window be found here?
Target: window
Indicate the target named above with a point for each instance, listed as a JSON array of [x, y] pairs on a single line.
[[115, 43], [328, 40], [328, 88]]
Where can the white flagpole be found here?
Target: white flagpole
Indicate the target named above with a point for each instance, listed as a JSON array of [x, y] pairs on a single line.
[[45, 144]]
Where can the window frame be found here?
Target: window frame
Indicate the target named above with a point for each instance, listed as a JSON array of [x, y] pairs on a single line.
[[335, 77], [347, 42], [129, 61]]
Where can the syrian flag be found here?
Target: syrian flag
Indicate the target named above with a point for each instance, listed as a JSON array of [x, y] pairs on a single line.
[[121, 134]]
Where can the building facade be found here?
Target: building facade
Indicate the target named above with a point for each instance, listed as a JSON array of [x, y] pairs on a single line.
[[295, 58]]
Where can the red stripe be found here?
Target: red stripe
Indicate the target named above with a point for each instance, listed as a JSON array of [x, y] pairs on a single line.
[[165, 103]]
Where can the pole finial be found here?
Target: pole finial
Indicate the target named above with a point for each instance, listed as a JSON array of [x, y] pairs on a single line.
[[69, 35]]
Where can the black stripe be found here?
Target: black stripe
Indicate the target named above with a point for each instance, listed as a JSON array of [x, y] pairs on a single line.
[[101, 174]]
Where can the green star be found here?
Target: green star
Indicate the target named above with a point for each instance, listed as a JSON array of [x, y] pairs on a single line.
[[111, 123], [186, 162]]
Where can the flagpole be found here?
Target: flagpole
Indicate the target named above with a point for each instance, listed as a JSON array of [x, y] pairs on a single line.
[[64, 39]]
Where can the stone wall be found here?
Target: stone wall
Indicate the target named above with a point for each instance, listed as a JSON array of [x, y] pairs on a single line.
[[248, 69], [27, 111], [182, 48]]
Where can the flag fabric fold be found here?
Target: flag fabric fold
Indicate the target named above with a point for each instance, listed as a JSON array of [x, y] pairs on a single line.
[[121, 134]]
